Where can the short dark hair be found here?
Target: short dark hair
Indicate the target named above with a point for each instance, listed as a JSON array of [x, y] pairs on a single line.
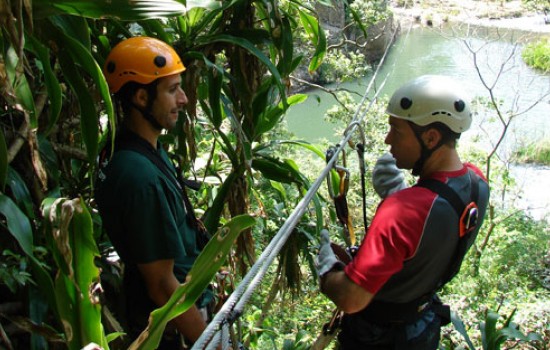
[[126, 92], [448, 136]]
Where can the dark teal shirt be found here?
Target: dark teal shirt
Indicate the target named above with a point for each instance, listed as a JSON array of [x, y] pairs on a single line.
[[144, 216]]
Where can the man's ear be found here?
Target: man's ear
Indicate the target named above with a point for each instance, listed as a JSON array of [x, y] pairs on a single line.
[[431, 137], [140, 98]]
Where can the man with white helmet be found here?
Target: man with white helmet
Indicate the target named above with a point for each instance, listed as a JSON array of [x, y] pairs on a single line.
[[419, 235], [143, 204]]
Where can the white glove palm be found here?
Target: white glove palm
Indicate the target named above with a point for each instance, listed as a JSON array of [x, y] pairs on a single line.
[[387, 178], [326, 259]]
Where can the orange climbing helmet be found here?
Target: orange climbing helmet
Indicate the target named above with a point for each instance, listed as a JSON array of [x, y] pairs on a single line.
[[142, 60]]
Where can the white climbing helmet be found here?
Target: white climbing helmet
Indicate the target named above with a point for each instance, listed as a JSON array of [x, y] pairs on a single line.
[[429, 99]]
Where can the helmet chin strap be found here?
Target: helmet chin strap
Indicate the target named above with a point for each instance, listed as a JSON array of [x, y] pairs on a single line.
[[146, 113], [425, 153]]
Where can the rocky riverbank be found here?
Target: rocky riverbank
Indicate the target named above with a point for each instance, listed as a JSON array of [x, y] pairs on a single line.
[[499, 14]]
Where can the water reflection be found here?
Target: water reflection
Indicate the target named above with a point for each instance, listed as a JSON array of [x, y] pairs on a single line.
[[453, 51]]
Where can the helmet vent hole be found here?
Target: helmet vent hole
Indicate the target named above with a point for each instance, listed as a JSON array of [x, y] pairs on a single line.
[[111, 66], [459, 105], [406, 103], [442, 112], [160, 61]]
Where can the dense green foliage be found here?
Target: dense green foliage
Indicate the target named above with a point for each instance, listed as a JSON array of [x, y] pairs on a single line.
[[240, 56], [538, 5], [537, 55], [537, 153], [508, 285]]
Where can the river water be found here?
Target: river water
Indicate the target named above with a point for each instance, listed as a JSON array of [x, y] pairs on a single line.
[[451, 51]]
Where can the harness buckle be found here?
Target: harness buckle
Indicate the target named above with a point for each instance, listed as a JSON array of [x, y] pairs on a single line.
[[469, 218]]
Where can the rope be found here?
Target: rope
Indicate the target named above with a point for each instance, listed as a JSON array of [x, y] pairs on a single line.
[[234, 305]]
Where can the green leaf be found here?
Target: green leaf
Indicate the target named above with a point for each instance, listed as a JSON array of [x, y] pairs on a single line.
[[459, 326], [20, 228], [358, 21], [286, 61], [316, 150], [18, 224], [52, 84], [318, 38], [88, 112], [115, 9], [20, 193], [201, 274], [272, 116], [82, 56], [280, 188], [3, 161], [154, 28], [21, 88], [215, 81], [489, 330], [71, 231], [273, 169], [276, 76], [212, 216]]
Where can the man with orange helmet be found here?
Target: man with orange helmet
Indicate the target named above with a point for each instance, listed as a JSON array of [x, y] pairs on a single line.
[[144, 208], [419, 235]]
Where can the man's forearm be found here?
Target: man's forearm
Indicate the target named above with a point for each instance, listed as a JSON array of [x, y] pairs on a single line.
[[347, 295], [190, 324]]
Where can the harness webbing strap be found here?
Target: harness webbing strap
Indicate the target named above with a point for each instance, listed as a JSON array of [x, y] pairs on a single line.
[[460, 207], [126, 140], [444, 191], [388, 312]]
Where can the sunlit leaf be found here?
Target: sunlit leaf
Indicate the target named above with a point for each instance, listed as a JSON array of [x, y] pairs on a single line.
[[119, 9], [459, 326], [272, 116], [277, 80], [71, 231], [20, 85], [318, 38], [201, 274], [273, 169]]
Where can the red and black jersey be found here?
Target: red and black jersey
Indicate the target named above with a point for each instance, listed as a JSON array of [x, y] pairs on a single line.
[[412, 239]]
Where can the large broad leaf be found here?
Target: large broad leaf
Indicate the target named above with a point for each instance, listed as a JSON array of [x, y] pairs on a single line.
[[201, 274], [73, 51], [3, 161], [318, 38], [212, 216], [273, 169], [273, 114], [21, 88], [459, 326], [20, 193], [52, 84], [215, 80], [77, 285], [246, 44], [489, 329], [19, 227], [17, 223], [88, 112], [118, 9]]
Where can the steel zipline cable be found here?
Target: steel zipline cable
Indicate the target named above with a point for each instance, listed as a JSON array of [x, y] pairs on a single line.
[[217, 330]]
